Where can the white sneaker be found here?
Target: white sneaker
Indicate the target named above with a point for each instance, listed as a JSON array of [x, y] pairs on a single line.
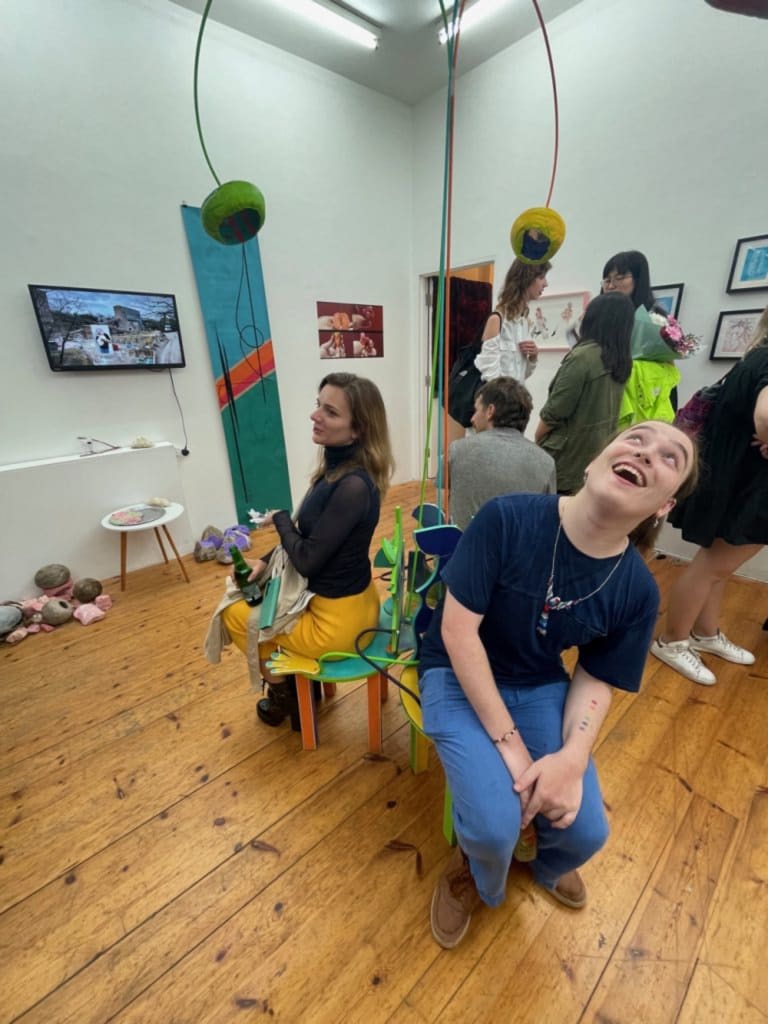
[[679, 656], [720, 645]]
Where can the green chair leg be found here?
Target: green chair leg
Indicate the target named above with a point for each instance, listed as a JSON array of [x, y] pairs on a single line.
[[448, 831]]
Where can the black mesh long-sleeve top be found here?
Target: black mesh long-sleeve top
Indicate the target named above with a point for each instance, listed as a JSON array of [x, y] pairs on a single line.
[[335, 526]]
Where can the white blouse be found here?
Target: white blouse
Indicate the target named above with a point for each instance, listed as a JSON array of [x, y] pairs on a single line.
[[500, 356]]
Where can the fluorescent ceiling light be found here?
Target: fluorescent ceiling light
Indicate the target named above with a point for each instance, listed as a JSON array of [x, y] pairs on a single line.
[[477, 13], [337, 23]]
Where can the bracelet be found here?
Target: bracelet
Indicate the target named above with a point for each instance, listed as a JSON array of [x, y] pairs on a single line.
[[506, 736]]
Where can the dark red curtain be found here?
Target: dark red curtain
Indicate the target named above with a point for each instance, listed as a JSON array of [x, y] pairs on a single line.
[[470, 306]]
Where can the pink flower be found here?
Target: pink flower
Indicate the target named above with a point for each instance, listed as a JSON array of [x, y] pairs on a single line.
[[672, 331], [682, 344]]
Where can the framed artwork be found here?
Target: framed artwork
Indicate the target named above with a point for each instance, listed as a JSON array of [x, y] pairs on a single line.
[[749, 270], [669, 297], [735, 330], [350, 330], [553, 316]]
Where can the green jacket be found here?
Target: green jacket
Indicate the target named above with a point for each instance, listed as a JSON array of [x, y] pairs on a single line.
[[583, 411]]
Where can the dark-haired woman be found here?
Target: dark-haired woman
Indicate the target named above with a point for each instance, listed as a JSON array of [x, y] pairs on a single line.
[[329, 541], [582, 410], [508, 348], [628, 274], [651, 391]]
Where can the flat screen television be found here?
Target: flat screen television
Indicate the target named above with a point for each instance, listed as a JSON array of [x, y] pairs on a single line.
[[96, 329]]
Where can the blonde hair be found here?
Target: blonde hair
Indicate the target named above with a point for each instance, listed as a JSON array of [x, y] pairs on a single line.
[[761, 332], [373, 451], [520, 276]]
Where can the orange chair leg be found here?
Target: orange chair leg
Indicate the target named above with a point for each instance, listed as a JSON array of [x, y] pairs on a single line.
[[307, 712], [329, 689], [375, 730], [384, 688]]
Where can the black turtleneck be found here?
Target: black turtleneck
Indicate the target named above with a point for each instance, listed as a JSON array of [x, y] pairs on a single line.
[[335, 526]]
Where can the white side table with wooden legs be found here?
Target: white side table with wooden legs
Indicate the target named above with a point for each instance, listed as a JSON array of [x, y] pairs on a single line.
[[160, 522]]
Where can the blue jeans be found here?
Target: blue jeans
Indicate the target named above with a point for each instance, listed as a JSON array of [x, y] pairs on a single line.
[[486, 809]]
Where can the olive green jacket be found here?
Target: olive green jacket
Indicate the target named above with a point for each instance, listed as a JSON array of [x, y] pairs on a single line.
[[583, 411]]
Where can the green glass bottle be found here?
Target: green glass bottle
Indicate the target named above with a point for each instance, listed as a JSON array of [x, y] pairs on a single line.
[[250, 588]]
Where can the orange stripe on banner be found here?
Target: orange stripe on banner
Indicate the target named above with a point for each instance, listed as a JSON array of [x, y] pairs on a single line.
[[246, 373]]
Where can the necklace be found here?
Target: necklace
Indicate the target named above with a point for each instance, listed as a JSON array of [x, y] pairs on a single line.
[[557, 604]]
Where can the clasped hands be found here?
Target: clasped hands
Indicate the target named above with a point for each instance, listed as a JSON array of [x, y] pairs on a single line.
[[551, 786]]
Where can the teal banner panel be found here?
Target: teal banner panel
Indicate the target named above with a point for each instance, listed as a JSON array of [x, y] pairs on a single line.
[[234, 304]]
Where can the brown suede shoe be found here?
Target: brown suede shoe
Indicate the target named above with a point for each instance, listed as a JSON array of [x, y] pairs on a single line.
[[525, 850], [453, 901], [570, 890]]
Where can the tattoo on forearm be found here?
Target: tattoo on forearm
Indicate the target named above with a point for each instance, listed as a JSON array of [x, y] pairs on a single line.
[[588, 714]]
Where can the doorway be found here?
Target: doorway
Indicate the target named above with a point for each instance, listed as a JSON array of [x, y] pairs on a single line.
[[466, 333]]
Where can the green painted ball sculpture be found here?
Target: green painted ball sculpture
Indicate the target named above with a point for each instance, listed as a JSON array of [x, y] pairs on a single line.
[[233, 213]]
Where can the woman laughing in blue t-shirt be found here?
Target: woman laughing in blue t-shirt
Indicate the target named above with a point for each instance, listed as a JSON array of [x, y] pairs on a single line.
[[532, 576]]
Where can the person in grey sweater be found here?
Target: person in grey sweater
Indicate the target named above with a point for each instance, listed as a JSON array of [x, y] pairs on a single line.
[[497, 459]]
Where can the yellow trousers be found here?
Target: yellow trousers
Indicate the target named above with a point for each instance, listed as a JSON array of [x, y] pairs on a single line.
[[327, 624]]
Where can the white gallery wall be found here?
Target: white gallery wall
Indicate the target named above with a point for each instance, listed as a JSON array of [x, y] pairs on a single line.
[[663, 148], [99, 151]]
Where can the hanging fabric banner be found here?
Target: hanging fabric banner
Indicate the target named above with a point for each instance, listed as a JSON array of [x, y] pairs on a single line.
[[234, 304]]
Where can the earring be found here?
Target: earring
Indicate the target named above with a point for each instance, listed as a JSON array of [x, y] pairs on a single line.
[[656, 521]]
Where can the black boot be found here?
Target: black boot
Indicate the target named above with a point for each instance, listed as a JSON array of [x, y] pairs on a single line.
[[280, 703]]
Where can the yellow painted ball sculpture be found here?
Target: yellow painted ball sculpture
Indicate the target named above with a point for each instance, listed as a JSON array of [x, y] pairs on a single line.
[[537, 234]]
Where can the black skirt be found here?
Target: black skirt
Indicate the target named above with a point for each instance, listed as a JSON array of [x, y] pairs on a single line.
[[731, 500]]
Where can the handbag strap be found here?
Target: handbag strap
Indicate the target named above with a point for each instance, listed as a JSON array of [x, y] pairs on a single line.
[[498, 314], [711, 391], [479, 343]]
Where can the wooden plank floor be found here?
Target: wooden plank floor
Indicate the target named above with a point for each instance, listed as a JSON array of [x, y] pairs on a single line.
[[166, 858]]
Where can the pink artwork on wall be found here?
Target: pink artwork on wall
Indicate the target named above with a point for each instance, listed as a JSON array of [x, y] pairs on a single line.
[[350, 330]]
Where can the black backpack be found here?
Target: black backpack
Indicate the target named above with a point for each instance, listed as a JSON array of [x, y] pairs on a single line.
[[464, 382]]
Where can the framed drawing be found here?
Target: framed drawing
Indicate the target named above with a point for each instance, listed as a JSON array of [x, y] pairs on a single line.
[[669, 297], [735, 330], [749, 270], [552, 316]]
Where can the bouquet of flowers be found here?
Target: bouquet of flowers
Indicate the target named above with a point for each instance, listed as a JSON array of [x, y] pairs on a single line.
[[672, 333], [660, 339]]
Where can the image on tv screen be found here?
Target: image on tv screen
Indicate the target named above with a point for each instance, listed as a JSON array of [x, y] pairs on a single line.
[[95, 329]]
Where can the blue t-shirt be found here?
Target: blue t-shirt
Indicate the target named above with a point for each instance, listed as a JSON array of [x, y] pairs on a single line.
[[500, 570]]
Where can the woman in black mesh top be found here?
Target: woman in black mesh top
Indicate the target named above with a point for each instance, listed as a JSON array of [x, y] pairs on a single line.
[[330, 539]]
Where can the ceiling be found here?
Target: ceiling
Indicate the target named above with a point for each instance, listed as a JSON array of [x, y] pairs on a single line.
[[409, 64]]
